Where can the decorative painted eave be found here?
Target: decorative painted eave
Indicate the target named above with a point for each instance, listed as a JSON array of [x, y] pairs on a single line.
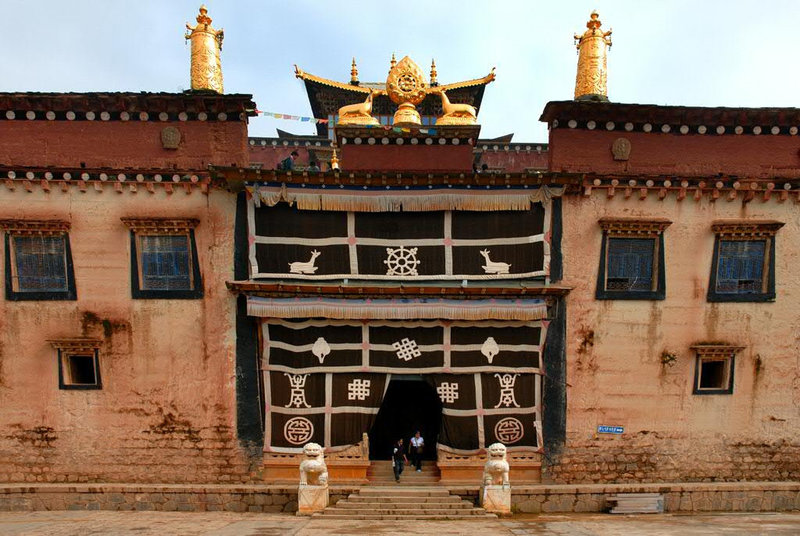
[[280, 289], [716, 349], [76, 344], [746, 228], [234, 178], [120, 181], [697, 188], [187, 106], [675, 120]]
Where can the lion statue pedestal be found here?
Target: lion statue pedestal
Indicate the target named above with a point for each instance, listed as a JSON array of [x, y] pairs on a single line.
[[496, 490], [312, 495]]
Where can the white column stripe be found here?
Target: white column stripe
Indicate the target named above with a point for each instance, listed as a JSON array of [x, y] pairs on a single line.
[[352, 249]]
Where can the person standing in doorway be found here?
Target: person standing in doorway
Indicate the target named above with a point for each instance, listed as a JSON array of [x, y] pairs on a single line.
[[398, 459], [417, 447]]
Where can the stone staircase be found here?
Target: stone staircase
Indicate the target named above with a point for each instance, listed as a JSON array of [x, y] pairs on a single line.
[[403, 503], [380, 473]]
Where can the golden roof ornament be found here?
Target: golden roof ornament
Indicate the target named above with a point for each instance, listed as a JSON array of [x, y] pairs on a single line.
[[392, 63], [358, 114], [407, 87], [334, 160], [590, 83], [206, 69], [354, 73], [434, 79]]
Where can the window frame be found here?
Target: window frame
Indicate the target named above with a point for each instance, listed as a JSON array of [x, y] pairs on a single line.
[[715, 352], [163, 227], [32, 228], [627, 229], [734, 230], [77, 347]]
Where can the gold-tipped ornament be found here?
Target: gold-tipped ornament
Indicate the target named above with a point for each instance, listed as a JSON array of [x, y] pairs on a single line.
[[407, 87], [206, 68], [590, 82]]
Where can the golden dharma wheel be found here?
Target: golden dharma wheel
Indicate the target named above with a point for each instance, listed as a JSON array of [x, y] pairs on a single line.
[[406, 83]]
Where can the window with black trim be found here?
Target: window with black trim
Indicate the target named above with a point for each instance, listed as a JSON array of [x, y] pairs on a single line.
[[743, 265], [78, 363], [714, 367], [164, 261], [631, 260], [38, 261]]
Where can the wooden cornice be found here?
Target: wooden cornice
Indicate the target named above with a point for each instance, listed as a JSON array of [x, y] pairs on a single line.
[[716, 349], [160, 225], [746, 228], [633, 226], [34, 227], [285, 290]]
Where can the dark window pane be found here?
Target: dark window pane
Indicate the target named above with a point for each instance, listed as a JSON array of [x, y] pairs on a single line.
[[80, 370], [713, 375], [630, 264], [740, 266], [41, 263], [165, 261]]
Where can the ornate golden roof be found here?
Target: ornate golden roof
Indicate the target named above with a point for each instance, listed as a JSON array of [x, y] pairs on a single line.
[[364, 87]]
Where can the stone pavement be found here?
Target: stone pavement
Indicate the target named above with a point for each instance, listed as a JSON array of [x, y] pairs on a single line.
[[68, 523]]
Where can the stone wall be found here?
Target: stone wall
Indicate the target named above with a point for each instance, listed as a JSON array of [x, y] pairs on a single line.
[[731, 497], [166, 411], [615, 375]]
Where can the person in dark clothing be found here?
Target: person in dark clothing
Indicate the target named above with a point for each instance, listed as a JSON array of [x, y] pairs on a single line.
[[287, 164], [313, 167], [398, 459]]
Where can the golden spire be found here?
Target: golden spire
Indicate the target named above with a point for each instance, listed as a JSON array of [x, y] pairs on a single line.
[[206, 70], [354, 73], [434, 80], [334, 159], [590, 83], [407, 87], [392, 63]]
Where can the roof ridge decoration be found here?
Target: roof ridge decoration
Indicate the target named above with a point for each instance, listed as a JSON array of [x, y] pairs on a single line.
[[206, 69], [361, 88], [593, 44]]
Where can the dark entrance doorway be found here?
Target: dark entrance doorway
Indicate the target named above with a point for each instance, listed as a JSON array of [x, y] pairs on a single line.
[[410, 404]]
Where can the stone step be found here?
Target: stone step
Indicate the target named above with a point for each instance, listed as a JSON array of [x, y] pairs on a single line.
[[374, 517], [332, 511], [355, 498], [393, 491], [423, 506]]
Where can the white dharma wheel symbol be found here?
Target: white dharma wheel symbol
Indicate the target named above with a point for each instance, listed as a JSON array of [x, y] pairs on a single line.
[[401, 261], [298, 430], [508, 430]]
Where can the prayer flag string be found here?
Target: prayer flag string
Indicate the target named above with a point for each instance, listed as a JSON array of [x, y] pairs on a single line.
[[304, 119]]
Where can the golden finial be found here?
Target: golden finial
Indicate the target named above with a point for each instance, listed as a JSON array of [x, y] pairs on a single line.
[[434, 80], [590, 83], [206, 69], [354, 73], [334, 160], [392, 63]]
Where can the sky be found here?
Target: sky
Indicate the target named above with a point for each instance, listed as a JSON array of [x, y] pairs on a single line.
[[678, 52]]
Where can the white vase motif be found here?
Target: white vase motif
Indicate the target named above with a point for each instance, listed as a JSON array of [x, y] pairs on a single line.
[[490, 349], [321, 349]]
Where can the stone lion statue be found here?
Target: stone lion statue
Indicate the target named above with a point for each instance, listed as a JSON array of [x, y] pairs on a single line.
[[495, 472], [313, 470]]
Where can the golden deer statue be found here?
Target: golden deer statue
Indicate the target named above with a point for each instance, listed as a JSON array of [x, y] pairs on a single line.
[[358, 114], [455, 114]]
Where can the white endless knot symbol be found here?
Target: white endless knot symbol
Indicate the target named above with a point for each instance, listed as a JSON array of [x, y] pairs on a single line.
[[298, 395], [508, 430], [358, 389], [448, 392], [401, 261], [507, 390], [406, 349], [298, 430]]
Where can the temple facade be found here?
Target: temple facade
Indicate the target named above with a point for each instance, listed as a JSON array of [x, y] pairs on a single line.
[[615, 305]]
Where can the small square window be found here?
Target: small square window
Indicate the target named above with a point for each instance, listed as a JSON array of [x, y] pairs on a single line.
[[632, 260], [714, 368], [78, 363], [38, 261], [164, 259], [743, 266]]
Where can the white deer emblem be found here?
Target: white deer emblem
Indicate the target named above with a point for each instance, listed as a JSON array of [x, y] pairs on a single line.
[[492, 267], [305, 267]]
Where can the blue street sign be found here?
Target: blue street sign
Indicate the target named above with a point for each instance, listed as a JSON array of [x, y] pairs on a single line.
[[610, 429]]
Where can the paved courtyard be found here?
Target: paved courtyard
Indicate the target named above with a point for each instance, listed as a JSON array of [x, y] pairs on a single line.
[[232, 524]]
